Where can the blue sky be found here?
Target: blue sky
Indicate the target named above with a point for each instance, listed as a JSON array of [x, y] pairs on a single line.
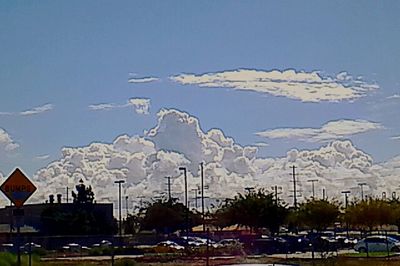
[[70, 55]]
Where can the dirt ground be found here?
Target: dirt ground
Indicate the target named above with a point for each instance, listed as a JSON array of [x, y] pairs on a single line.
[[229, 261]]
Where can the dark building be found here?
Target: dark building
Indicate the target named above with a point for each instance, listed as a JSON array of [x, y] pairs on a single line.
[[54, 225]]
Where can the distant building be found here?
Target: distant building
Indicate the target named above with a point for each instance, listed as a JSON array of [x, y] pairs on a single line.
[[33, 214]]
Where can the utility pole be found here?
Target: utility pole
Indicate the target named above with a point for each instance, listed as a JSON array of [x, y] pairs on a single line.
[[120, 182], [362, 189], [294, 186], [323, 194], [346, 193], [312, 184], [195, 190], [275, 188], [169, 188], [183, 169], [67, 194], [202, 197]]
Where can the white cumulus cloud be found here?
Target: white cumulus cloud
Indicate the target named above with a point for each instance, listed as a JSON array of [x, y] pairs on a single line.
[[330, 131], [177, 140], [6, 142], [140, 105], [299, 85]]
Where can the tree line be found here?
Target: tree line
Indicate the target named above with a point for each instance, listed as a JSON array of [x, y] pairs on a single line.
[[259, 210]]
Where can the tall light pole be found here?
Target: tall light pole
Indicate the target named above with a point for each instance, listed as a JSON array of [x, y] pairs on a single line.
[[119, 182], [312, 184], [202, 197], [362, 189], [346, 193], [126, 206], [169, 187], [294, 186], [183, 169]]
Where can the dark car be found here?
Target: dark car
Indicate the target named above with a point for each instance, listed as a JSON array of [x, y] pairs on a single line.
[[269, 245], [323, 241], [296, 243]]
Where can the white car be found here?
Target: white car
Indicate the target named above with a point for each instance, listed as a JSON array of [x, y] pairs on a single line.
[[170, 244], [378, 243]]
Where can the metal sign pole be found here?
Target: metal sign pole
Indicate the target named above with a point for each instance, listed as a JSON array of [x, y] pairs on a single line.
[[18, 244], [18, 214]]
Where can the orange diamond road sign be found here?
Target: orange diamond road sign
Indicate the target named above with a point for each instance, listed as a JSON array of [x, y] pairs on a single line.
[[18, 188]]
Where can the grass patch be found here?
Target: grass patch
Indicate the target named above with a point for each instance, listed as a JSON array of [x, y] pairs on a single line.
[[370, 255], [10, 259]]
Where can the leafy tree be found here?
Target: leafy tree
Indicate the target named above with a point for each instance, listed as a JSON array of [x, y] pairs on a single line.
[[168, 216], [132, 223], [371, 213], [316, 214], [253, 209]]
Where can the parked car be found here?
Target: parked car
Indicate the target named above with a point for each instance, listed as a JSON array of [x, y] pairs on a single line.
[[297, 243], [194, 241], [269, 245], [7, 247], [168, 246], [103, 244], [228, 242], [30, 246], [346, 242], [378, 243], [74, 247], [323, 241]]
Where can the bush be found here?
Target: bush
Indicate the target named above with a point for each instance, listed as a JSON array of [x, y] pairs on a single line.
[[125, 262], [7, 259]]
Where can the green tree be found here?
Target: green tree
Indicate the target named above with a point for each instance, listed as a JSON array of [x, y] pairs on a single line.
[[168, 216], [316, 214], [253, 209], [370, 213]]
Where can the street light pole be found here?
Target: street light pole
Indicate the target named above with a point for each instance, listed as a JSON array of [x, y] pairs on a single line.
[[312, 184], [202, 197], [126, 206], [183, 169], [346, 193], [119, 182], [362, 189]]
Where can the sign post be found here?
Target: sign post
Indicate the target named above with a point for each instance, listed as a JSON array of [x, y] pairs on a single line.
[[18, 188]]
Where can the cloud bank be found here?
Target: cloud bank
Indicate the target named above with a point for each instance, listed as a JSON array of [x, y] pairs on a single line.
[[330, 131], [298, 85], [177, 140]]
